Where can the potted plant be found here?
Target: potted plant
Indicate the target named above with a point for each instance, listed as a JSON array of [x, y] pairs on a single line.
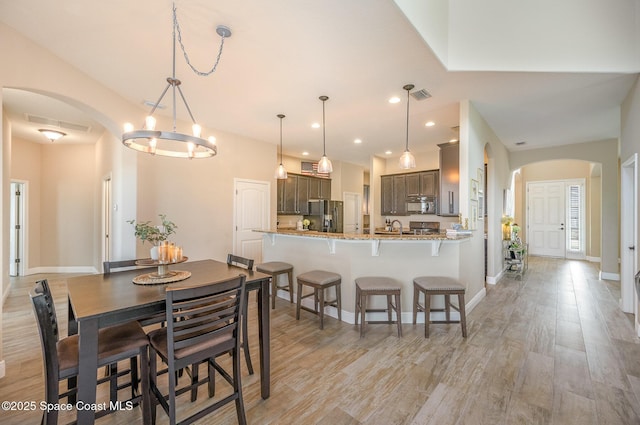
[[154, 234]]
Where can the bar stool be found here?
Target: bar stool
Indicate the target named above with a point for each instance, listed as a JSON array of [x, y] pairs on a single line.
[[438, 285], [366, 286], [276, 268], [319, 280]]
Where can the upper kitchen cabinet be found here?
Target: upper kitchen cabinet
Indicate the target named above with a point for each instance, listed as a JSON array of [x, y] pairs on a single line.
[[393, 195], [319, 188], [295, 192], [449, 204], [429, 183], [412, 184]]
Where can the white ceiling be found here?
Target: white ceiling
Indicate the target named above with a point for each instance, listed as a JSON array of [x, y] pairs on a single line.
[[283, 55]]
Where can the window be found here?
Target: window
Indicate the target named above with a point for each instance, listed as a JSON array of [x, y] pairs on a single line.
[[575, 219]]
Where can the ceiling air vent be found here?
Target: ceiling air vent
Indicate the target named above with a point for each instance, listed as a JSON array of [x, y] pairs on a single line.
[[57, 123], [421, 94]]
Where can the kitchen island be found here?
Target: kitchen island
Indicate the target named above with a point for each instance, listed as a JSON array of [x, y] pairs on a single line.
[[401, 257]]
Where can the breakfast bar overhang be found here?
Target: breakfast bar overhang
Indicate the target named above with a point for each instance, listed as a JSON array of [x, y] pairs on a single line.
[[401, 257]]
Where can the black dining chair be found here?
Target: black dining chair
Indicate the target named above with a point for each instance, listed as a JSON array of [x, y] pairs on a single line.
[[112, 266], [247, 263], [60, 356], [202, 324]]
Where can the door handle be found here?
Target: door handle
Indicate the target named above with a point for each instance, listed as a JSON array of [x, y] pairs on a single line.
[[632, 247]]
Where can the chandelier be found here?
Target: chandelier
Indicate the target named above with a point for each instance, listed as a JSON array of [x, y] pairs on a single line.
[[407, 160], [172, 143]]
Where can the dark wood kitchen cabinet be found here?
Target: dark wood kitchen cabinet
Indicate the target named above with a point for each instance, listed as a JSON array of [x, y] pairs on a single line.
[[429, 183], [319, 188], [393, 195], [295, 192]]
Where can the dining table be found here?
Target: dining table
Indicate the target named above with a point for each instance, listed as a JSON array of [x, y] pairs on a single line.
[[100, 300]]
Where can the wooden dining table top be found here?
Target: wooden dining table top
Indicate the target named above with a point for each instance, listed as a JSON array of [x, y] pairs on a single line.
[[105, 294]]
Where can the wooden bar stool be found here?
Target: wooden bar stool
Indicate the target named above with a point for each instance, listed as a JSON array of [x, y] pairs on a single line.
[[319, 280], [276, 268], [366, 286], [438, 285]]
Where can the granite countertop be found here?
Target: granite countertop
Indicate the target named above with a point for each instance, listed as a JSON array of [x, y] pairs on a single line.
[[442, 236]]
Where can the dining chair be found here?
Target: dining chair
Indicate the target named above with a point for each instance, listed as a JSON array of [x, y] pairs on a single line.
[[109, 266], [247, 263], [60, 356], [202, 324]]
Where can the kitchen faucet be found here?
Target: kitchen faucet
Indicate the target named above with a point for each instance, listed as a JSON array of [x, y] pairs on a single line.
[[400, 224]]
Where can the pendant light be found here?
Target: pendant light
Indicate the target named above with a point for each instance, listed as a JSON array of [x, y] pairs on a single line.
[[324, 166], [407, 160], [281, 172]]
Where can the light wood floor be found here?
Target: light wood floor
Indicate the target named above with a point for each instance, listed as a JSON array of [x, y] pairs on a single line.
[[552, 348]]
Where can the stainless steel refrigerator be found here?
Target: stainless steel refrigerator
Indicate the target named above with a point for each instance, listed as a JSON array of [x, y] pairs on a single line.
[[325, 216]]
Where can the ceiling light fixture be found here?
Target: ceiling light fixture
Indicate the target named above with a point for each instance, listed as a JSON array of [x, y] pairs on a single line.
[[430, 124], [172, 143], [407, 160], [324, 166], [281, 172], [52, 135]]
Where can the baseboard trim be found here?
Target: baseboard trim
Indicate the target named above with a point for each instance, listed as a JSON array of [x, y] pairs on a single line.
[[609, 276], [593, 259], [493, 280], [56, 269], [2, 369]]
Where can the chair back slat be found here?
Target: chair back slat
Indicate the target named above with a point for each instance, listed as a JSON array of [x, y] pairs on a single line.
[[45, 313], [109, 266], [236, 260], [199, 317]]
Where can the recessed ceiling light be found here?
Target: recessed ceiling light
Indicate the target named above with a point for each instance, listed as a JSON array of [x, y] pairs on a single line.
[[394, 99], [388, 152], [305, 153], [520, 143], [315, 125], [357, 141], [430, 124]]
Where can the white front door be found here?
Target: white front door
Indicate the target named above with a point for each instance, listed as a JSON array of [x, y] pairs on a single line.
[[252, 212], [546, 219], [352, 212]]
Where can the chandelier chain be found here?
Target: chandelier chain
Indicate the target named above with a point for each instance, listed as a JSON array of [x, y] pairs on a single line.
[[184, 51]]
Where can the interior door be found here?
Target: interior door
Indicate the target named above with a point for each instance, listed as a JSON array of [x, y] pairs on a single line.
[[546, 216], [251, 213], [16, 230], [352, 212], [628, 249]]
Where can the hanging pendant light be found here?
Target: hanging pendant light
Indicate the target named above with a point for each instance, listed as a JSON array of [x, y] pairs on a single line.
[[281, 172], [407, 160], [324, 166], [173, 143]]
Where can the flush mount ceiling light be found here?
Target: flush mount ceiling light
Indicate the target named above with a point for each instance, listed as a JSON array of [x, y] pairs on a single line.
[[52, 135], [407, 160], [324, 166], [281, 172], [172, 143]]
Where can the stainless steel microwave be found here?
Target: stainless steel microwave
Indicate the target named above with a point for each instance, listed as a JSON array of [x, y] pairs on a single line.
[[421, 205]]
